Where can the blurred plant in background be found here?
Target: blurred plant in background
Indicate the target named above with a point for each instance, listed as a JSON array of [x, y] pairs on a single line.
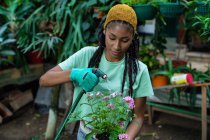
[[148, 55], [6, 52], [203, 22], [13, 13], [53, 28]]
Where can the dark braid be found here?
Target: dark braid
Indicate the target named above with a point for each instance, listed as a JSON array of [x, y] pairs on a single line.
[[131, 57], [130, 64], [124, 73], [96, 58], [133, 62]]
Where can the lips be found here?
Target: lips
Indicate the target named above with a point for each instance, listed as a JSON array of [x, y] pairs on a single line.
[[116, 53]]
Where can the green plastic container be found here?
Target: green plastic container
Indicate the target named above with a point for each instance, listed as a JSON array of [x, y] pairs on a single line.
[[203, 8], [145, 11], [171, 10]]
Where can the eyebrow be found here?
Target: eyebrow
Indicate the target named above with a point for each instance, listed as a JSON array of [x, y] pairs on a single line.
[[126, 37]]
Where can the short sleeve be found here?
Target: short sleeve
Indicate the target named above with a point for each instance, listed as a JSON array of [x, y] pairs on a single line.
[[80, 59], [143, 85]]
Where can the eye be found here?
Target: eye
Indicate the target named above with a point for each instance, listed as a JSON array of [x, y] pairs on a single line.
[[111, 38], [125, 40]]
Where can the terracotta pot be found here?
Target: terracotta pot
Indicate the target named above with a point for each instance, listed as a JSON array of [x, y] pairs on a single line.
[[177, 63], [35, 58], [160, 80]]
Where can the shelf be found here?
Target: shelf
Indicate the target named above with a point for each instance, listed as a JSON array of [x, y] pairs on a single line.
[[18, 77]]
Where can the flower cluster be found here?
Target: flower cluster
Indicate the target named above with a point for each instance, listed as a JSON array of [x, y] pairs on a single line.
[[123, 137], [110, 113]]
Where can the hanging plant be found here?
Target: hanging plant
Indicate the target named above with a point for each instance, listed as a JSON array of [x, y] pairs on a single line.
[[171, 9], [202, 7], [145, 9]]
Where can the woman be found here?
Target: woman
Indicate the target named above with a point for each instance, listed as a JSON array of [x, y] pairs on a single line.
[[117, 57]]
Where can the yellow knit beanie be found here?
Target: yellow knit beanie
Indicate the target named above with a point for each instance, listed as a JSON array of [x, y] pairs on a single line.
[[122, 12]]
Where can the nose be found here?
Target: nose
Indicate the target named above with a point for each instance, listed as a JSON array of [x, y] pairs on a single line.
[[117, 45]]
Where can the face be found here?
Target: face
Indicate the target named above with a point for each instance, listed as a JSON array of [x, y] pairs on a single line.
[[117, 39]]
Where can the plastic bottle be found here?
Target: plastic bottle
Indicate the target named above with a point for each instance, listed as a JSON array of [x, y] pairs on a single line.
[[182, 78]]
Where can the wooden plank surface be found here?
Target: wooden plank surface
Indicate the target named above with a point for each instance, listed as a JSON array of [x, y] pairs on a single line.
[[4, 111], [194, 84], [204, 114], [204, 120], [35, 71]]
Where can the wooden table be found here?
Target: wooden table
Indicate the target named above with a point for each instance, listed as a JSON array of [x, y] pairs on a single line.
[[204, 117]]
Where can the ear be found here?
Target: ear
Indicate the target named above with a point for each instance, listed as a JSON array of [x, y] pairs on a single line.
[[104, 32]]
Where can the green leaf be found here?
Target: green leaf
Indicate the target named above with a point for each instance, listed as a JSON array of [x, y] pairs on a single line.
[[89, 136], [8, 41], [91, 3], [165, 73], [3, 29], [4, 11], [85, 26], [7, 52]]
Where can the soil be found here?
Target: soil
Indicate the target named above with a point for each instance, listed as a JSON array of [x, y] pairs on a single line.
[[31, 125]]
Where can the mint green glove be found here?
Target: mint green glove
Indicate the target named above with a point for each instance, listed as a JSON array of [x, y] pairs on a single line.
[[84, 78]]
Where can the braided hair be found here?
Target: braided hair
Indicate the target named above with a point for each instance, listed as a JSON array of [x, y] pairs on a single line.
[[131, 56]]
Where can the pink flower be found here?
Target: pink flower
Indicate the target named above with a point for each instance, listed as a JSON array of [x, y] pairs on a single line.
[[131, 105], [122, 124], [130, 102], [106, 98], [114, 94], [99, 94], [123, 137], [111, 106], [128, 99]]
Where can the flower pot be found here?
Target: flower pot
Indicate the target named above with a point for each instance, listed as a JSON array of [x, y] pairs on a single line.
[[103, 136], [177, 63], [35, 57], [160, 80], [145, 11], [203, 8], [171, 10]]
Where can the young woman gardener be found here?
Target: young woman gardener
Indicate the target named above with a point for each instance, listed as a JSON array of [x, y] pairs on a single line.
[[117, 57]]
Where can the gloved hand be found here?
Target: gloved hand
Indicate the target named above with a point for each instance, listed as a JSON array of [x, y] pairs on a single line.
[[84, 78]]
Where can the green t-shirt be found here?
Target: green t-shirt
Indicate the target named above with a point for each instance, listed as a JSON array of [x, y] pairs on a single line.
[[114, 70]]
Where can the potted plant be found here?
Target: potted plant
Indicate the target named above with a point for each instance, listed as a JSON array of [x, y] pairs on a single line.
[[148, 55], [201, 7], [172, 8], [38, 35], [145, 9], [161, 76], [109, 117], [197, 33], [12, 14], [204, 23]]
